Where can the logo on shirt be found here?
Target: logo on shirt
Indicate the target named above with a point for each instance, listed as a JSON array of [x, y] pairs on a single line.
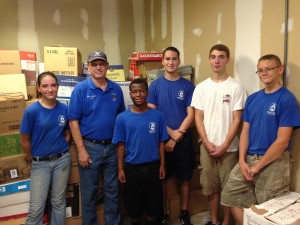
[[152, 127], [226, 99], [91, 96], [113, 96], [61, 120], [272, 108], [181, 95]]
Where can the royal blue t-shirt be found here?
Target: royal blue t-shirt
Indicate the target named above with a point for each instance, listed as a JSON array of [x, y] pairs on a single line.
[[171, 98], [266, 113], [141, 133], [95, 109], [46, 127]]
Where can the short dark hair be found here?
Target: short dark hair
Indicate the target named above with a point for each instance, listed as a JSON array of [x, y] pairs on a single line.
[[271, 57], [44, 74], [220, 47], [173, 49], [138, 81]]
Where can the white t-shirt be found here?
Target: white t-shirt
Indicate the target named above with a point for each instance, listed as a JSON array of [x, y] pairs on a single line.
[[218, 101]]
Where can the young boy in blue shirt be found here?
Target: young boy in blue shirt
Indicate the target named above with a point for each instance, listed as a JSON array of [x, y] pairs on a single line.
[[140, 134]]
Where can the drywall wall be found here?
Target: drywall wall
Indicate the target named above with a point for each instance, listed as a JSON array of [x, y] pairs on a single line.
[[249, 28]]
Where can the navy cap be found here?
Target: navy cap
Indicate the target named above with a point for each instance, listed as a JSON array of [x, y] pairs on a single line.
[[97, 55]]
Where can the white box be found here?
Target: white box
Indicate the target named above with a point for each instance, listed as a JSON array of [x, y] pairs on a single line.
[[125, 88], [282, 210]]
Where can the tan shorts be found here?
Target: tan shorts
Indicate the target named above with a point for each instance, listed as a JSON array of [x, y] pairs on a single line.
[[272, 181], [215, 172]]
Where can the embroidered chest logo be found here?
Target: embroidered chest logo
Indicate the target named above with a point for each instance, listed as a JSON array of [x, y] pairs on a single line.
[[272, 108], [226, 99], [152, 127], [61, 120], [180, 95], [91, 97], [113, 97]]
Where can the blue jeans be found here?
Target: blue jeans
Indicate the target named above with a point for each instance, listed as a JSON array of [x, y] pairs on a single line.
[[104, 157], [45, 174]]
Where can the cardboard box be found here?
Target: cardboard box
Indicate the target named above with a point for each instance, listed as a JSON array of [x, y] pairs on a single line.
[[74, 177], [14, 168], [10, 144], [144, 67], [31, 101], [15, 187], [73, 200], [282, 210], [29, 66], [13, 83], [10, 62], [32, 91], [100, 214], [125, 88], [73, 221], [73, 152], [147, 56], [67, 84], [62, 61], [12, 108]]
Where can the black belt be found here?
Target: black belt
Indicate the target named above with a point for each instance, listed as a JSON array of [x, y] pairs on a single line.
[[48, 158], [101, 142]]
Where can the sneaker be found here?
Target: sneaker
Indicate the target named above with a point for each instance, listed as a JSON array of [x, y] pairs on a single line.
[[185, 219], [164, 218], [211, 223]]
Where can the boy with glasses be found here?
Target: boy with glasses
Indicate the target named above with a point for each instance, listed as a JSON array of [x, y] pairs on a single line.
[[270, 115]]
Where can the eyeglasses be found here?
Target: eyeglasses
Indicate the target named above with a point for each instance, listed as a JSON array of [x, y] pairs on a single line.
[[261, 71], [98, 64]]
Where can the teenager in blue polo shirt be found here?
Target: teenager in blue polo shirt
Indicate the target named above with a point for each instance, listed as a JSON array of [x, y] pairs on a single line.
[[140, 134], [172, 95], [94, 106], [270, 115], [45, 137]]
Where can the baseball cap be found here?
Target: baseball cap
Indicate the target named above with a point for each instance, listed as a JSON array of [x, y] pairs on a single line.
[[97, 55]]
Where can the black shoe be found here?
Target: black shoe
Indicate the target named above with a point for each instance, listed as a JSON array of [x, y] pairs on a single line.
[[185, 218], [164, 218], [211, 223]]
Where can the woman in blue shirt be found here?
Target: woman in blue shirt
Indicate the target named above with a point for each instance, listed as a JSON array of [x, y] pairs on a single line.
[[45, 138]]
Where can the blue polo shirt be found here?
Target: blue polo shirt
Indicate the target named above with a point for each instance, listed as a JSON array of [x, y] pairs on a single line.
[[95, 109], [46, 127], [171, 98]]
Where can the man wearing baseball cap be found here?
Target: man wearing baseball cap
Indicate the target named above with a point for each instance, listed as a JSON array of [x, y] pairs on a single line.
[[92, 112]]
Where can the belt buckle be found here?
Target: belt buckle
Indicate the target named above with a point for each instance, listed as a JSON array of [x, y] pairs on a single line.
[[53, 157], [103, 142]]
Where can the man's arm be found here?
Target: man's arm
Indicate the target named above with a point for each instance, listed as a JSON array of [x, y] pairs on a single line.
[[232, 132], [275, 150], [83, 156], [121, 156], [67, 134]]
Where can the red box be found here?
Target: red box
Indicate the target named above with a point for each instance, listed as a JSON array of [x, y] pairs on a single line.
[[147, 56]]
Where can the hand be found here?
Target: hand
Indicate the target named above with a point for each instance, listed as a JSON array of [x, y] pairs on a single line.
[[219, 150], [246, 172], [121, 176], [176, 135], [84, 158], [170, 145], [162, 172], [210, 147]]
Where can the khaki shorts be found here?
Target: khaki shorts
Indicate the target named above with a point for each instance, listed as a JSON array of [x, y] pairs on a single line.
[[270, 182], [215, 172]]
